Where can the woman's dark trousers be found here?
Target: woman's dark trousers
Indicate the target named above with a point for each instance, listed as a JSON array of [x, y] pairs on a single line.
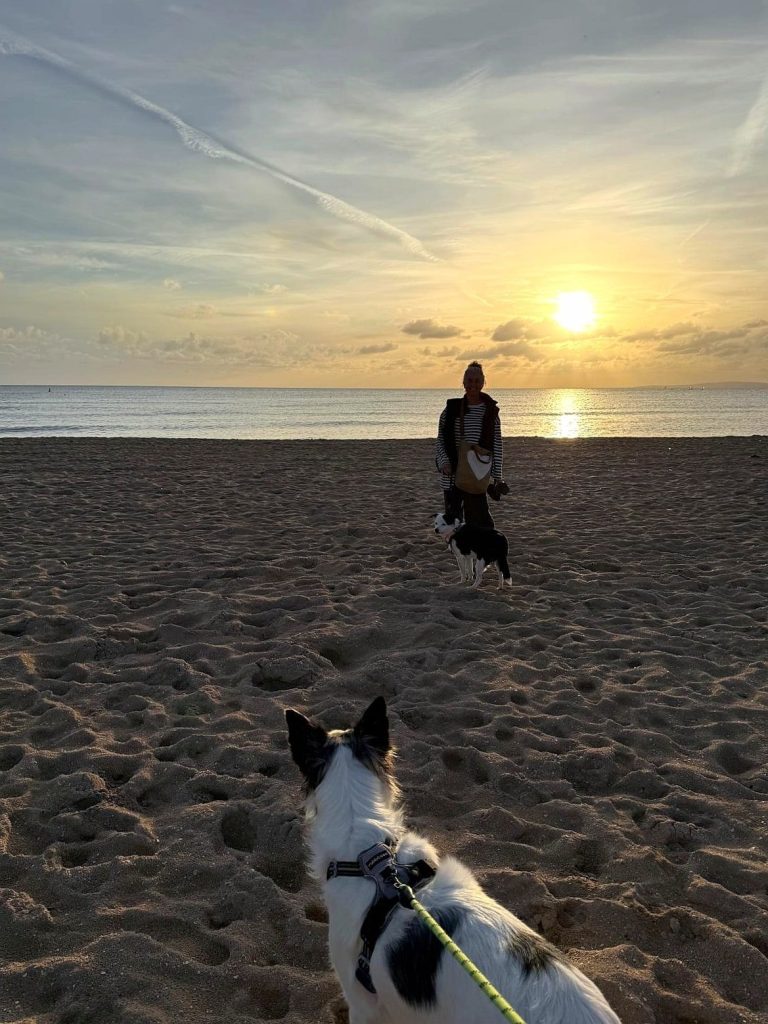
[[472, 508]]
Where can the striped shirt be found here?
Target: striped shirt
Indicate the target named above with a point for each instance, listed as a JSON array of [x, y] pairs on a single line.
[[473, 425]]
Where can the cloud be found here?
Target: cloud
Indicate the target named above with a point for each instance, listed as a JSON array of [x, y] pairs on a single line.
[[441, 353], [660, 334], [369, 350], [198, 141], [200, 311], [750, 133], [30, 333], [2, 277], [36, 344], [511, 329], [275, 349], [689, 338], [720, 344], [271, 289], [431, 329], [514, 349], [99, 255], [171, 284], [520, 328], [43, 257], [127, 341]]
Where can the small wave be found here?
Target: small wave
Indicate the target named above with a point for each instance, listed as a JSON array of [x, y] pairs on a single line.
[[38, 429]]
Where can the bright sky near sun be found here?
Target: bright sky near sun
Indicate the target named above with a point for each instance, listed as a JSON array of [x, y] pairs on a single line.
[[372, 193]]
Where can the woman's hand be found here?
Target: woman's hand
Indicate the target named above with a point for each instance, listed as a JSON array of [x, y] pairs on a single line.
[[445, 469]]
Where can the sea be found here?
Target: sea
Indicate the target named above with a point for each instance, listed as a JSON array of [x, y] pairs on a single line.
[[330, 413]]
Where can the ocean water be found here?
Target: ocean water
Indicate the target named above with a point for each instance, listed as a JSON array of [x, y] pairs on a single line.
[[36, 411]]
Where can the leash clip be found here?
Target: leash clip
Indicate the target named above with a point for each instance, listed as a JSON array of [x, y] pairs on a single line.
[[405, 896]]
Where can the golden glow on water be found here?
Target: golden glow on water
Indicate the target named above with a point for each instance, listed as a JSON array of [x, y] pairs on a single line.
[[568, 425], [566, 409]]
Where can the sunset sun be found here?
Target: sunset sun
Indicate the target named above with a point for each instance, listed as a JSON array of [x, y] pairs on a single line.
[[575, 311]]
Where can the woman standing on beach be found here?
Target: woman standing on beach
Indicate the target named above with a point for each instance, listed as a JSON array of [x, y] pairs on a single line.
[[482, 427]]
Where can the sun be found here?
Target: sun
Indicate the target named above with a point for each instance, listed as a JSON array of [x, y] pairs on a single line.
[[575, 311]]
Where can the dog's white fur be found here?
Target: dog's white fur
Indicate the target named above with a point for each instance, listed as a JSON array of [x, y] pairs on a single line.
[[352, 809], [471, 569]]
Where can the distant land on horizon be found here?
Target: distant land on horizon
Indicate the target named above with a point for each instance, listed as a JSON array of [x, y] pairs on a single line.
[[733, 384]]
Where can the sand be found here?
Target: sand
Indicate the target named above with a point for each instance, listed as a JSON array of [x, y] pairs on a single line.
[[592, 741]]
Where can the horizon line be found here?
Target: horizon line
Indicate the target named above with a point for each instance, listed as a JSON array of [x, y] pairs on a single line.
[[701, 385]]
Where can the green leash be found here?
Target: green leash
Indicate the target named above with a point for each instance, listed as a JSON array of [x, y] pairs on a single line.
[[409, 900]]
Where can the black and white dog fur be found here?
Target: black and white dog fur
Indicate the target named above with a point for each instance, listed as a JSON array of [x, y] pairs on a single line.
[[475, 548], [352, 804]]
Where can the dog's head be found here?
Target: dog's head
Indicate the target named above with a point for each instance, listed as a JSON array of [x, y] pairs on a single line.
[[445, 524], [314, 748]]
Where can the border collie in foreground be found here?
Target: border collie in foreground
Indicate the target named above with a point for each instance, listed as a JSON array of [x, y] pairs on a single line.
[[475, 548], [355, 826]]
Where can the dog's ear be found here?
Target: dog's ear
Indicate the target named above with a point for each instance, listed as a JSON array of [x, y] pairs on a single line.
[[309, 745], [373, 728]]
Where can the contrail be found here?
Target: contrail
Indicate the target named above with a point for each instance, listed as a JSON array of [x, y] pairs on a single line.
[[12, 45], [750, 133]]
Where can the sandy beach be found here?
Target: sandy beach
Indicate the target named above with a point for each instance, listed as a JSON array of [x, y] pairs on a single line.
[[592, 741]]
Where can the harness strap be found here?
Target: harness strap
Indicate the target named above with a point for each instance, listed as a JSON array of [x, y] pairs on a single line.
[[380, 865]]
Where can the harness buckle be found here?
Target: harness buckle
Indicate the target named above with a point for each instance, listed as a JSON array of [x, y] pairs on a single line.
[[378, 864]]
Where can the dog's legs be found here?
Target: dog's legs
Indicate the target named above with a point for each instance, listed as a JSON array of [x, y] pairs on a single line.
[[464, 564], [479, 570], [469, 569], [460, 562]]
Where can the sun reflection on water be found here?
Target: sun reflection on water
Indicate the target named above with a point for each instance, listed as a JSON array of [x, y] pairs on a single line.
[[567, 414]]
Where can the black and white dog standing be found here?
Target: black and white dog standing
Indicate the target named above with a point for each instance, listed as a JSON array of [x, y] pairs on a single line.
[[475, 548], [355, 836]]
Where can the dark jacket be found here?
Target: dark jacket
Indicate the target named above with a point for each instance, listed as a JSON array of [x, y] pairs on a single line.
[[452, 413]]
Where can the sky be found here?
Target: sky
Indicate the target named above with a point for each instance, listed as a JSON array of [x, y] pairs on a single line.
[[371, 193]]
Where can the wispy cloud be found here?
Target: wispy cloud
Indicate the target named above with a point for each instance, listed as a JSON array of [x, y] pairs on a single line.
[[663, 333], [271, 289], [200, 311], [512, 349], [371, 350], [12, 45], [750, 134]]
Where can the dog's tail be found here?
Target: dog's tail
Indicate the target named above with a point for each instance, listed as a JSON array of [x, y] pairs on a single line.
[[504, 567]]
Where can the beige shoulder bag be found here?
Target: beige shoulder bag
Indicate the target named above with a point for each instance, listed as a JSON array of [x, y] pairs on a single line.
[[473, 469]]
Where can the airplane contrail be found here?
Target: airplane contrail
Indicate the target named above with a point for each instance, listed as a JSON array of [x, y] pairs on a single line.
[[12, 45], [750, 133]]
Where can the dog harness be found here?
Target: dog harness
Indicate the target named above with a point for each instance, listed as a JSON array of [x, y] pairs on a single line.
[[379, 863]]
